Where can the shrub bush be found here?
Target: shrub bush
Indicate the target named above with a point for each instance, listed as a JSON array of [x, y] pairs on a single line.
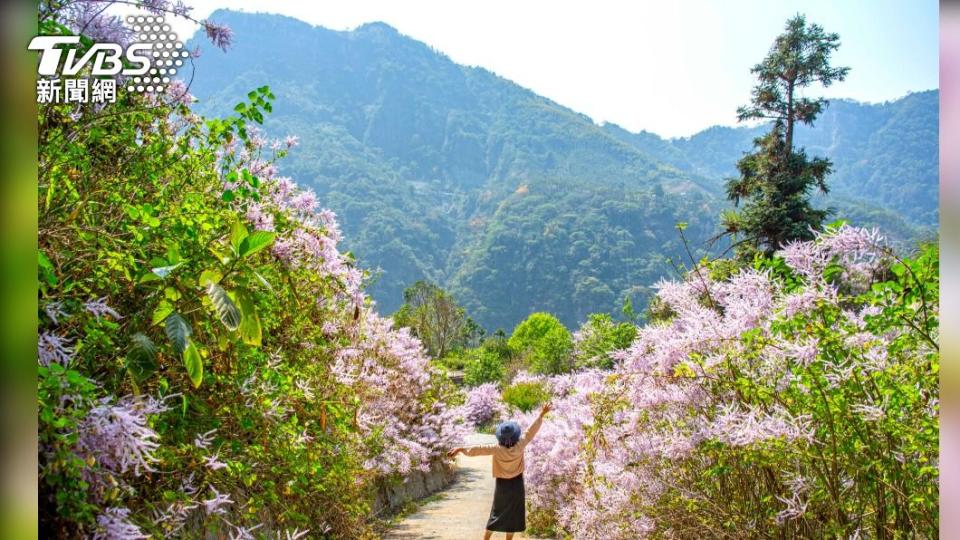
[[208, 361], [543, 343], [797, 399], [526, 396], [483, 405], [482, 366]]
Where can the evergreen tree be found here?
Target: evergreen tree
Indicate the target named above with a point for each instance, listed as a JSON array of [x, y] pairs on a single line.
[[775, 181]]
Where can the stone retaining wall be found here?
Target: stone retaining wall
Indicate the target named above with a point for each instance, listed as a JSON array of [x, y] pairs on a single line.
[[419, 484]]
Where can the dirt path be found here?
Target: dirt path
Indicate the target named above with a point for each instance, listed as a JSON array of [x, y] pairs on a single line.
[[463, 508]]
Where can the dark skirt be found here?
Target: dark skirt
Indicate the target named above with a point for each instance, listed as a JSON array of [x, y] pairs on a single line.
[[509, 513]]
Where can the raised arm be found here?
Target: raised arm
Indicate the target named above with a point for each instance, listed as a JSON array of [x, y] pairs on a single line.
[[535, 427], [481, 450]]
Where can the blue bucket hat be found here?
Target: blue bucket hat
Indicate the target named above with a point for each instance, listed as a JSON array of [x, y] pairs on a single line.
[[508, 433]]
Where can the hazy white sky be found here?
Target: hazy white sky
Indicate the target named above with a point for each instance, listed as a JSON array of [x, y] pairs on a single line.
[[671, 67]]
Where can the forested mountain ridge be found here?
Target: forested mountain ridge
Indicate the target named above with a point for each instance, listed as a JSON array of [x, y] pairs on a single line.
[[512, 201], [886, 154]]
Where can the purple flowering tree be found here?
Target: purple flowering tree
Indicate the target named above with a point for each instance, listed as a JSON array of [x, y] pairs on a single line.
[[800, 396]]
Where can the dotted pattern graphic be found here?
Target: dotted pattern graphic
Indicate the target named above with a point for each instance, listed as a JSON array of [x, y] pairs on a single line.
[[168, 53]]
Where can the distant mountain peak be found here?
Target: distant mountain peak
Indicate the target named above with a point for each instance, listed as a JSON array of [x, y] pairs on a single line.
[[377, 26]]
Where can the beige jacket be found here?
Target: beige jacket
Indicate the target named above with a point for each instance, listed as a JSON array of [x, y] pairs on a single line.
[[507, 462]]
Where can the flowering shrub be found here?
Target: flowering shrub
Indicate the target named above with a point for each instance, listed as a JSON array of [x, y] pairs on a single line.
[[483, 405], [207, 359], [798, 396]]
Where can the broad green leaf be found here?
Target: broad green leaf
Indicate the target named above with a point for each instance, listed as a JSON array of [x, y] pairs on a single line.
[[250, 330], [178, 332], [173, 253], [209, 276], [237, 235], [141, 360], [193, 363], [256, 242], [227, 311], [171, 293], [163, 310]]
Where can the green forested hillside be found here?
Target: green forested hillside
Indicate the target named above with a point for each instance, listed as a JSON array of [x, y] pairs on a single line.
[[509, 200], [885, 155]]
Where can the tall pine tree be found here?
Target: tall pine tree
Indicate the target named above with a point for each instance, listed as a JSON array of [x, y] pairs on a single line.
[[775, 183]]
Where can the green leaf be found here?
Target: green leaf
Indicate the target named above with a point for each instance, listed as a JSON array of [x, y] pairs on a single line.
[[178, 332], [193, 363], [173, 253], [171, 293], [43, 261], [141, 360], [237, 235], [209, 276], [227, 311], [250, 330], [47, 268], [163, 310], [256, 242]]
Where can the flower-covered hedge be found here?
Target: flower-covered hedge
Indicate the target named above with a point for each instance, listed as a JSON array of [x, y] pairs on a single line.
[[797, 398], [483, 405], [207, 357]]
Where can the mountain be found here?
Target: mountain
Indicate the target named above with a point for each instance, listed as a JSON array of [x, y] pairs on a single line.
[[885, 154], [512, 201]]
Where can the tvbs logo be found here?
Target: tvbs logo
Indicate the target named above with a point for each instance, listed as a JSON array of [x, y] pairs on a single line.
[[106, 58], [146, 64]]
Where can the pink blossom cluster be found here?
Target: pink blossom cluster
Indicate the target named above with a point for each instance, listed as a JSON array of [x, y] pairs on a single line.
[[391, 374], [114, 524], [857, 249], [117, 435], [311, 242], [483, 404], [617, 440]]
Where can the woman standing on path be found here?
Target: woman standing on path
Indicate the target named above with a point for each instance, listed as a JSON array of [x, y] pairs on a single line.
[[509, 513]]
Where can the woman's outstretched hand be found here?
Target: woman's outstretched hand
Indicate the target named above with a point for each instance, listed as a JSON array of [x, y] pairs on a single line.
[[453, 452], [547, 407]]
